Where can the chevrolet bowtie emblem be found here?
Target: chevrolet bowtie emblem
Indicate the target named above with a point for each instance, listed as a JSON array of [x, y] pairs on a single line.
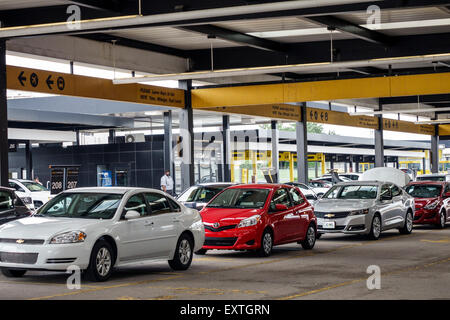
[[330, 215], [19, 241]]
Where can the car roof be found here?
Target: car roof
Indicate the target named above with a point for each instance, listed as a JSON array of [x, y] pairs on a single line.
[[114, 190], [260, 186], [442, 183], [215, 184], [368, 182]]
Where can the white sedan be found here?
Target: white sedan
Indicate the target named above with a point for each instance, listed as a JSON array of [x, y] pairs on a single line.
[[97, 229]]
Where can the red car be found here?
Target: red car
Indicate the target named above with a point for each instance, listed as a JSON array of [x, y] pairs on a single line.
[[257, 217], [432, 202]]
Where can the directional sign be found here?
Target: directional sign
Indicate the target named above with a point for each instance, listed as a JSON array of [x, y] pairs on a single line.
[[89, 87], [407, 126], [273, 111], [340, 118]]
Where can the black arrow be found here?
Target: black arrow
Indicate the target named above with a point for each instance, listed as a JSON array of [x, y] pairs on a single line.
[[22, 79], [49, 82]]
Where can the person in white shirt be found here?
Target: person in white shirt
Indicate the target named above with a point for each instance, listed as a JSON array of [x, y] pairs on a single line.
[[167, 183]]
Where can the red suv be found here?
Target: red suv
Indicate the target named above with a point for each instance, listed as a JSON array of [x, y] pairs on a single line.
[[257, 217], [432, 202]]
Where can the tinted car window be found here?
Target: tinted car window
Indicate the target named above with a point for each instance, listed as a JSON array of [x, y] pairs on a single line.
[[137, 203], [431, 178], [6, 202], [175, 206], [240, 198], [424, 191], [296, 196], [158, 203], [200, 193], [280, 197], [395, 191], [352, 192], [385, 191]]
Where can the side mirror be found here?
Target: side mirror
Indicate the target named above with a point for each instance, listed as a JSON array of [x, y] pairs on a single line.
[[132, 214], [280, 207]]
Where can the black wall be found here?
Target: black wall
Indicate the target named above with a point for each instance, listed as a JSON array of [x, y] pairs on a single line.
[[144, 161]]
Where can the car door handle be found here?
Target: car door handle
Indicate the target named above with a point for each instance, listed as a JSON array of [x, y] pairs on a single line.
[[176, 220], [149, 224]]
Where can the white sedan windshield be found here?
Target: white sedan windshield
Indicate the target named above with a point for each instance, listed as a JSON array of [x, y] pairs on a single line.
[[352, 192]]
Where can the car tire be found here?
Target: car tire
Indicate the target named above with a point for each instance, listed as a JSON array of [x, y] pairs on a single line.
[[101, 262], [318, 235], [201, 252], [183, 253], [310, 238], [375, 228], [13, 273], [408, 226], [265, 249], [442, 220]]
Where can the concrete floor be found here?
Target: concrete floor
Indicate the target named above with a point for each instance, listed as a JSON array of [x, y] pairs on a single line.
[[415, 266]]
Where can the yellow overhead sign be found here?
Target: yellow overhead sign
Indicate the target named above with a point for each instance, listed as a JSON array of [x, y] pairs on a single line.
[[26, 79], [273, 111], [340, 118], [422, 84], [407, 126], [444, 129]]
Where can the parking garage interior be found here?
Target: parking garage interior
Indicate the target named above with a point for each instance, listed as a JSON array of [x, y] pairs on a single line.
[[118, 92]]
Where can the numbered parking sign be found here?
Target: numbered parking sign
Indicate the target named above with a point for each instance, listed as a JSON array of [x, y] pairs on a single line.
[[57, 180]]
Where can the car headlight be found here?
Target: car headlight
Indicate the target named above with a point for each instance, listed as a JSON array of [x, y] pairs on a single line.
[[358, 212], [432, 205], [248, 222], [69, 237]]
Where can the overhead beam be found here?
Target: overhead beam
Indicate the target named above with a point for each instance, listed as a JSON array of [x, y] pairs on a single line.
[[237, 37], [353, 29], [103, 5]]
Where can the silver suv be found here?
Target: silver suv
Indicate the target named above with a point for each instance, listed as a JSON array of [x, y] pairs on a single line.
[[364, 207]]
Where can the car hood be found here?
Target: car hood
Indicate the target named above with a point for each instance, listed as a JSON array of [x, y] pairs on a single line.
[[422, 202], [227, 216], [339, 205], [43, 227]]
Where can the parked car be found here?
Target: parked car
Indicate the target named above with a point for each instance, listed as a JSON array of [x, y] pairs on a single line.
[[30, 189], [433, 177], [308, 192], [98, 229], [432, 200], [257, 217], [11, 206], [199, 195], [320, 187], [365, 207], [354, 176], [328, 178]]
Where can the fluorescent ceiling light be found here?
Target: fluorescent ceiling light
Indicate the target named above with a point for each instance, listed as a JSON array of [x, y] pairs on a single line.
[[309, 67], [381, 26]]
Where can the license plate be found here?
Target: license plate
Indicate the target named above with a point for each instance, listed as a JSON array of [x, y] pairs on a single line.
[[329, 225]]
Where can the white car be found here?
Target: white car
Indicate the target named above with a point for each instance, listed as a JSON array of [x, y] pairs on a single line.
[[97, 229], [308, 192], [30, 189]]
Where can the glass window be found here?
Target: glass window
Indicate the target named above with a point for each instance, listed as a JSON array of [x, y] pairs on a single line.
[[352, 192], [200, 193], [385, 191], [175, 206], [396, 191], [82, 205], [240, 198], [136, 203], [16, 187], [424, 191], [158, 203], [280, 197], [34, 186], [296, 196], [6, 202]]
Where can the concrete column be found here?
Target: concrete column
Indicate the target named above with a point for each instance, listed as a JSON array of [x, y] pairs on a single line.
[[379, 144], [226, 150], [434, 154], [28, 160], [302, 146], [275, 150], [187, 135], [168, 144], [424, 164], [4, 147]]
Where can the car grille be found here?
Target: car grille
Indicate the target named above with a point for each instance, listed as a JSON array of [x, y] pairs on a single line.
[[22, 241], [61, 260], [220, 228], [220, 242], [337, 215], [13, 257], [336, 228]]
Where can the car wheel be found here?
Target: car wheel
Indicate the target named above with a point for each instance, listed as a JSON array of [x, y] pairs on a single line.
[[13, 273], [101, 262], [201, 252], [266, 244], [442, 220], [407, 228], [310, 238], [183, 253], [375, 228]]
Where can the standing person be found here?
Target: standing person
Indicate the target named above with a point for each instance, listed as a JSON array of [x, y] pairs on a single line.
[[167, 183]]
